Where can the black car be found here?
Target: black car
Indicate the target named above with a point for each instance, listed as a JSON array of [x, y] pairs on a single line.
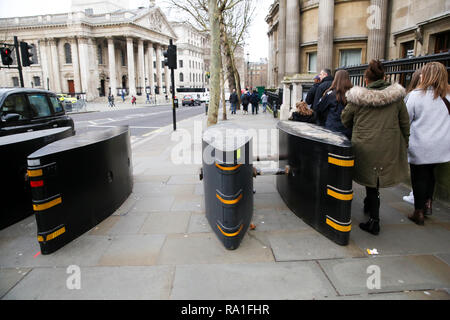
[[25, 110]]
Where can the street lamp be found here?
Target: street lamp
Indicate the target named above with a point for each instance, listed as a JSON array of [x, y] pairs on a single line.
[[248, 67]]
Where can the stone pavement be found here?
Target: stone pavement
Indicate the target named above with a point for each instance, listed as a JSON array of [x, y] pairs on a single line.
[[158, 245]]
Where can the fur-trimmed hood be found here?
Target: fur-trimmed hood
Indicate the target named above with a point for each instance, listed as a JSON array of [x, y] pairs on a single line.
[[375, 98]]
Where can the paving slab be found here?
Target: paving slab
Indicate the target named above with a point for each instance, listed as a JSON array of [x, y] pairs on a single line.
[[132, 250], [189, 203], [128, 224], [397, 273], [25, 228], [309, 245], [153, 204], [276, 219], [205, 248], [9, 277], [251, 281], [404, 239], [184, 179], [166, 223], [24, 252], [444, 257], [269, 201], [127, 205], [198, 223], [97, 283]]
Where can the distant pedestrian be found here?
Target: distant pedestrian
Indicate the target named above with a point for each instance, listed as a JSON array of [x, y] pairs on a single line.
[[264, 100], [123, 95], [380, 136], [312, 92], [429, 115], [326, 79], [148, 98], [133, 100], [111, 100], [233, 101], [254, 100], [245, 98], [330, 107]]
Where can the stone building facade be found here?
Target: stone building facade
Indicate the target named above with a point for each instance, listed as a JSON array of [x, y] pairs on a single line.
[[256, 75], [93, 53], [308, 35]]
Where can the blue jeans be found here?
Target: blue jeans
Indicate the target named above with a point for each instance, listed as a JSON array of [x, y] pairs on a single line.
[[264, 106], [233, 107]]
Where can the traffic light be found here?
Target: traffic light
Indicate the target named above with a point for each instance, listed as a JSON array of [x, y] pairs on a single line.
[[7, 60], [26, 51], [170, 57]]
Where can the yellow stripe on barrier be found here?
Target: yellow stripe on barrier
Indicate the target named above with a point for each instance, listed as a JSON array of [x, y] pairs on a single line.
[[230, 234], [53, 235], [228, 168], [47, 205], [35, 173], [341, 163], [340, 196], [229, 201], [338, 227]]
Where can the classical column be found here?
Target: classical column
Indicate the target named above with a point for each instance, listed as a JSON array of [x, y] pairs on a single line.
[[376, 42], [55, 63], [270, 62], [326, 36], [112, 67], [131, 67], [83, 51], [141, 65], [281, 39], [94, 79], [75, 64], [150, 68], [44, 63], [158, 68], [292, 63]]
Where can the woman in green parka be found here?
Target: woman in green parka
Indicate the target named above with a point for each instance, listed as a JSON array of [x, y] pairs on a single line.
[[380, 123]]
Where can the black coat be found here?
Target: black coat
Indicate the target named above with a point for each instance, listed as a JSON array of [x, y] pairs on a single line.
[[328, 114], [254, 99], [323, 86], [311, 94], [233, 97]]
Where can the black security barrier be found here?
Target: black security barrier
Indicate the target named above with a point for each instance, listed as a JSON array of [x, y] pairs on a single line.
[[15, 190], [318, 188], [78, 182], [227, 175]]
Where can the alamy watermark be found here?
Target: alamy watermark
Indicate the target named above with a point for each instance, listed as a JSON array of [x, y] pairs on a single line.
[[374, 280], [73, 282]]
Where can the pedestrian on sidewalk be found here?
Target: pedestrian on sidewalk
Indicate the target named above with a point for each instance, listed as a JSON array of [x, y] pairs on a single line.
[[380, 136], [245, 98], [330, 107], [123, 95], [312, 92], [133, 100], [264, 100], [254, 100], [429, 114], [233, 101], [148, 98], [111, 100], [326, 79]]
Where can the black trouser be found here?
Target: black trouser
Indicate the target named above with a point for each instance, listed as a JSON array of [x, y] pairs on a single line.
[[373, 201], [254, 108], [422, 180]]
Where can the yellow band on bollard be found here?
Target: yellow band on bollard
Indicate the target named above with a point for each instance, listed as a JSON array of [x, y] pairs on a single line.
[[228, 168], [230, 234], [53, 235], [340, 196], [341, 163], [339, 227], [229, 201], [47, 205]]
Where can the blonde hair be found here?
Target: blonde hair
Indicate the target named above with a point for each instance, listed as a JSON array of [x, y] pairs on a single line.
[[434, 75], [302, 108]]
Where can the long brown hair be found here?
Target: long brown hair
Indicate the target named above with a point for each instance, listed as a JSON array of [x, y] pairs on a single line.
[[341, 84], [415, 79], [434, 75], [374, 71]]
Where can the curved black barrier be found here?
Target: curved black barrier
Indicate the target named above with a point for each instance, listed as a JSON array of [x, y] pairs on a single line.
[[318, 188], [14, 190], [228, 182], [78, 182]]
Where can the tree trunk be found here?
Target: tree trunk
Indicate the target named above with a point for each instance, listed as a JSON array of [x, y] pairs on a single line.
[[237, 80], [222, 86], [213, 109], [228, 53]]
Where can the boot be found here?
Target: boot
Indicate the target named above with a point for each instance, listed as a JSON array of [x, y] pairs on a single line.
[[366, 206], [372, 226], [417, 217], [428, 208]]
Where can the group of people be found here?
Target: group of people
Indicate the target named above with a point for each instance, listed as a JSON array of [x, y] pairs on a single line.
[[112, 104], [389, 126], [248, 97]]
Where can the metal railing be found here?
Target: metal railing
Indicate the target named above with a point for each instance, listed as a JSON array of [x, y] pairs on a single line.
[[275, 99], [399, 70]]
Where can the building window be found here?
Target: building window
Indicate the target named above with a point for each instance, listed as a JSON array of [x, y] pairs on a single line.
[[68, 53], [15, 81], [312, 62], [181, 63], [350, 57], [442, 42], [100, 54], [122, 56], [35, 54], [154, 77], [154, 64], [37, 81], [407, 49], [181, 77]]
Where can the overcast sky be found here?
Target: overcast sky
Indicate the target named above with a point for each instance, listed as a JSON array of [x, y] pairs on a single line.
[[257, 43]]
